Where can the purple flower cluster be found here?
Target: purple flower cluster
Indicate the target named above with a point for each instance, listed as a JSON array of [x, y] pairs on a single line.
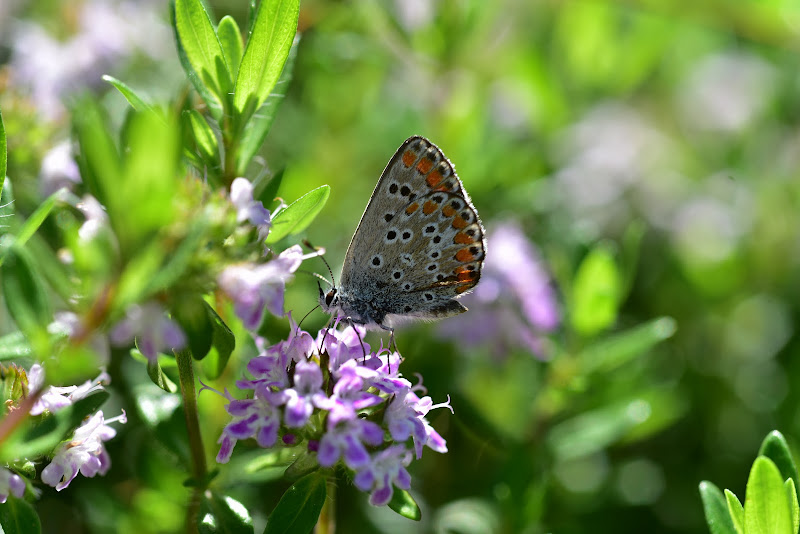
[[344, 401], [514, 303]]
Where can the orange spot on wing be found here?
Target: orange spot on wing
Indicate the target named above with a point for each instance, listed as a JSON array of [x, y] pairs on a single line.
[[434, 178], [425, 165], [465, 287], [464, 256], [448, 211], [429, 207], [463, 239], [409, 158], [412, 208], [468, 276], [459, 222]]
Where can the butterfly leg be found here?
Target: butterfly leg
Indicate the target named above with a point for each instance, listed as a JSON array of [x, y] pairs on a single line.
[[363, 349]]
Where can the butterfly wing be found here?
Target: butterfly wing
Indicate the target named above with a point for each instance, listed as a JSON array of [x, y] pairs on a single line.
[[420, 242]]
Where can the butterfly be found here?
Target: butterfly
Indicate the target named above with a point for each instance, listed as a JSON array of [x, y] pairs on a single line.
[[419, 246]]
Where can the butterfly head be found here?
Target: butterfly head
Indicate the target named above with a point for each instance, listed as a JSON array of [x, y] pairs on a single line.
[[328, 301]]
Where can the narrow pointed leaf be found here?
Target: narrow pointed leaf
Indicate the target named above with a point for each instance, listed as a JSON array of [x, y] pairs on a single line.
[[35, 220], [791, 495], [298, 510], [766, 509], [130, 95], [609, 353], [716, 509], [776, 449], [266, 52], [204, 137], [299, 214], [261, 121], [404, 504], [158, 377], [736, 511], [230, 38]]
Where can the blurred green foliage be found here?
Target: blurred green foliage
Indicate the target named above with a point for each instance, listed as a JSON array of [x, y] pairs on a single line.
[[649, 149]]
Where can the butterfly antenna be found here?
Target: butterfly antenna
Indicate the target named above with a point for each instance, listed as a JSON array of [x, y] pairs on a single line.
[[307, 243], [306, 315]]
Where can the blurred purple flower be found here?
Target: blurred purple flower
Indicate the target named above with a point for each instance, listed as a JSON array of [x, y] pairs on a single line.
[[58, 170], [153, 330], [84, 453], [514, 301], [254, 287], [55, 398], [10, 484], [96, 218], [248, 209], [108, 33], [385, 469]]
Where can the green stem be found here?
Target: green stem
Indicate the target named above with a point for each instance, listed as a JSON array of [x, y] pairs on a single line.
[[198, 457]]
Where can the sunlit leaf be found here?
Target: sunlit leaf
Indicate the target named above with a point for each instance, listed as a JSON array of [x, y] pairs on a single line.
[[404, 504], [221, 514], [266, 52], [766, 508], [716, 509], [776, 449], [230, 39], [299, 214], [137, 102], [595, 292], [736, 511]]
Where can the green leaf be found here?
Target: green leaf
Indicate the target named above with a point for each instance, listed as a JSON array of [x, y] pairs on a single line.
[[223, 342], [266, 52], [24, 292], [766, 509], [404, 504], [230, 39], [791, 495], [158, 377], [220, 514], [130, 95], [204, 137], [616, 350], [211, 100], [17, 515], [595, 292], [14, 345], [298, 510], [189, 310], [202, 47], [299, 214], [33, 222], [261, 122], [3, 153], [736, 511], [716, 509], [144, 195], [776, 449], [97, 158]]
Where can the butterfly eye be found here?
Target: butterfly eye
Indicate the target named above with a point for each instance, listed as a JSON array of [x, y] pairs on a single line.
[[329, 297]]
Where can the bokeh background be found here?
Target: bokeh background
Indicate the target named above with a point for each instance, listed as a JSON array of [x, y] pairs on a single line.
[[635, 164]]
